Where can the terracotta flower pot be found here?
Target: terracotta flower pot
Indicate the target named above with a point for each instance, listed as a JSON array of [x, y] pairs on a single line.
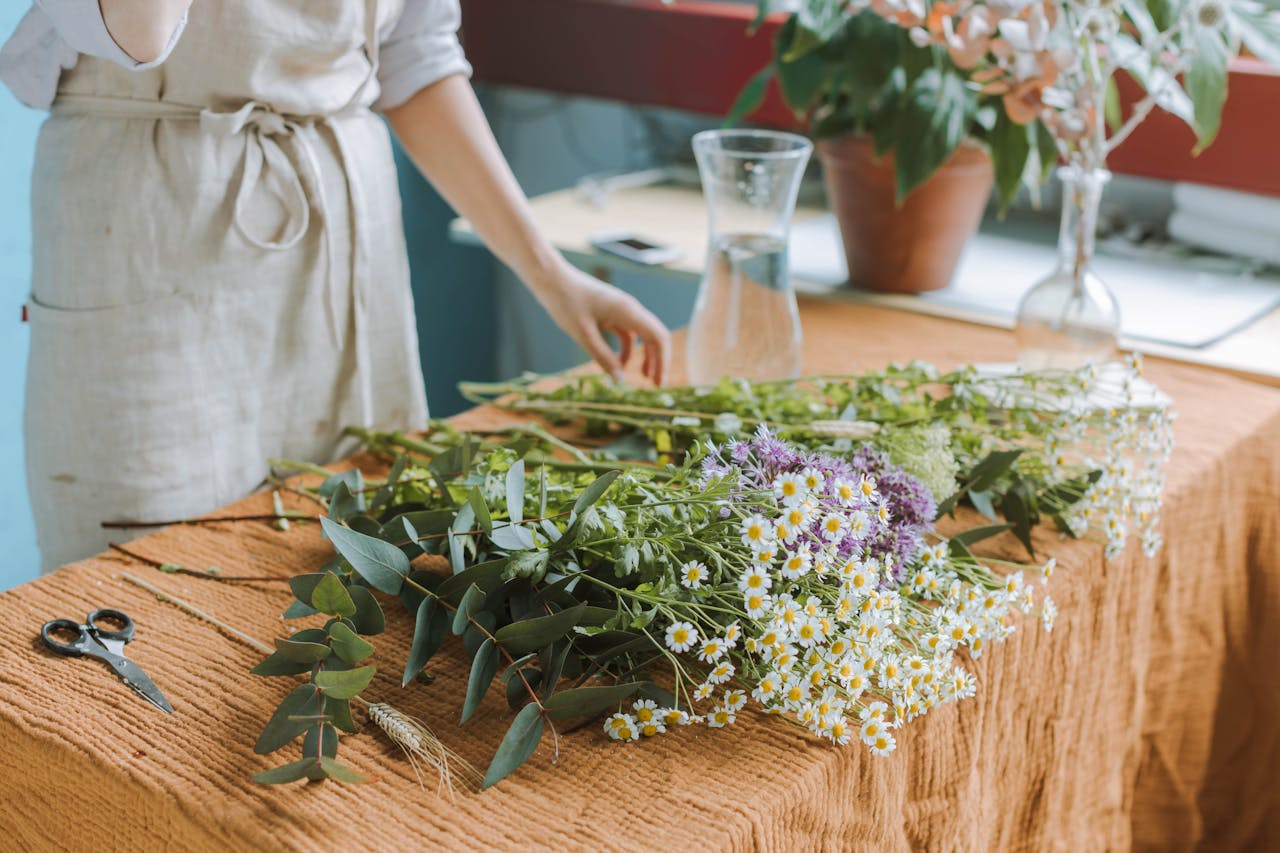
[[915, 247]]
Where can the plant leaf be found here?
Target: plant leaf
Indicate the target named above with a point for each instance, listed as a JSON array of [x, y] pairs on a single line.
[[750, 97], [340, 710], [368, 617], [388, 489], [977, 534], [380, 563], [531, 634], [430, 628], [1207, 84], [331, 597], [471, 601], [594, 491], [342, 773], [583, 701], [322, 739], [483, 667], [932, 121], [300, 651], [277, 664], [515, 492], [347, 645], [481, 509], [1010, 149], [345, 684], [280, 729], [487, 576], [286, 773], [517, 745]]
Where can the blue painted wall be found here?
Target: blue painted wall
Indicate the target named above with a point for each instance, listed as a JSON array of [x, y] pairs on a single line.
[[18, 127]]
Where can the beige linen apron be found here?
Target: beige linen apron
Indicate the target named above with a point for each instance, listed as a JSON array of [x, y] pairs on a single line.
[[219, 271]]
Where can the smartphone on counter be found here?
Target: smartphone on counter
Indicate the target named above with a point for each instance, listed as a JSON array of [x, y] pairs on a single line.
[[636, 249]]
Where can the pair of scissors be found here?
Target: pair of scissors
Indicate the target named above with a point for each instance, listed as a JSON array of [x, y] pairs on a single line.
[[92, 639]]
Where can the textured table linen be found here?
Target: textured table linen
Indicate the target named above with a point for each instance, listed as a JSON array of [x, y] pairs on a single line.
[[1148, 719]]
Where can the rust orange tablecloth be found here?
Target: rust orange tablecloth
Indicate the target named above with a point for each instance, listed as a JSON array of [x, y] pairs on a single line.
[[1149, 718]]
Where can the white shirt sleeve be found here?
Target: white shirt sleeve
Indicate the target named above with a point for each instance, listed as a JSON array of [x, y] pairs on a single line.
[[422, 48], [80, 24], [51, 37]]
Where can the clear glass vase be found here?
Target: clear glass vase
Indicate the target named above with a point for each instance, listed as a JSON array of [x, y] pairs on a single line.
[[745, 322], [1071, 318]]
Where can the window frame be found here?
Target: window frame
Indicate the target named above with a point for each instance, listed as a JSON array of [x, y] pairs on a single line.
[[645, 52]]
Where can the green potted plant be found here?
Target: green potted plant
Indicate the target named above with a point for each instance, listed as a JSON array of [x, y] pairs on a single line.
[[917, 107], [909, 147]]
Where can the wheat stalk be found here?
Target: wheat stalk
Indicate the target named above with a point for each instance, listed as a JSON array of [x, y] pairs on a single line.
[[419, 744]]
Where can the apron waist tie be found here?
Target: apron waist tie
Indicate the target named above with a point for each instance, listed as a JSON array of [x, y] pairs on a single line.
[[264, 132]]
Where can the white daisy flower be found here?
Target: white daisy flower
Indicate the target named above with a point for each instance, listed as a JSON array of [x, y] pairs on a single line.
[[720, 717], [755, 579], [692, 574], [755, 532], [789, 489], [722, 672], [756, 604], [681, 636], [712, 650], [622, 727]]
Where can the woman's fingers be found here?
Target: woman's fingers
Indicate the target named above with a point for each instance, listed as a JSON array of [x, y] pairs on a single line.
[[600, 351]]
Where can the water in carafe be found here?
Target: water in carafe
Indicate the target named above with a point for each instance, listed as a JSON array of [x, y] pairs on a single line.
[[745, 322]]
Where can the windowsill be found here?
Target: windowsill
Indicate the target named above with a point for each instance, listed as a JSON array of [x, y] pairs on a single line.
[[1004, 257]]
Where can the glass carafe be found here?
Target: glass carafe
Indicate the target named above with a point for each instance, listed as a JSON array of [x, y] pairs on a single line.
[[1071, 318], [745, 323]]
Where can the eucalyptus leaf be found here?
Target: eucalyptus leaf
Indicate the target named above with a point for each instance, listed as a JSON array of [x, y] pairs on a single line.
[[298, 610], [471, 601], [300, 651], [531, 634], [321, 740], [380, 563], [512, 537], [347, 645], [515, 492], [342, 773], [431, 626], [352, 478], [517, 693], [487, 576], [277, 664], [368, 618], [280, 730], [343, 504], [340, 710], [287, 773], [584, 701], [344, 685], [977, 534], [517, 745], [481, 510], [387, 490], [483, 667], [331, 597]]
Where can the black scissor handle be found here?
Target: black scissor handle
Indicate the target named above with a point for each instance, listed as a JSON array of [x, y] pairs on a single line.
[[124, 633], [73, 649]]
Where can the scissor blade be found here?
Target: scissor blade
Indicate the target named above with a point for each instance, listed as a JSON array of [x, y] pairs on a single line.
[[131, 674]]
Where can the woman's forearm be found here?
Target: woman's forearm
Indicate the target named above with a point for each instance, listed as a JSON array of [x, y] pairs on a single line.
[[142, 28], [445, 133]]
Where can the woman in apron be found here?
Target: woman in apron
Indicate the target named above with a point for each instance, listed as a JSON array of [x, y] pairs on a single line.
[[219, 270]]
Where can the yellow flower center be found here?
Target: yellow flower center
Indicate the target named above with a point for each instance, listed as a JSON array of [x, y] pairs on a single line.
[[680, 635]]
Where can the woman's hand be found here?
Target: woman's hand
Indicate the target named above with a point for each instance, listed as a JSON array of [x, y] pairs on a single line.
[[586, 308], [445, 133]]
